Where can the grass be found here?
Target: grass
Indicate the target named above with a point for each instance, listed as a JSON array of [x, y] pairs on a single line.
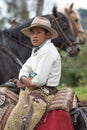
[[81, 92]]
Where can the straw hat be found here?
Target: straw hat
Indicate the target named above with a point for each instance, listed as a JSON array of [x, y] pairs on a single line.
[[43, 23]]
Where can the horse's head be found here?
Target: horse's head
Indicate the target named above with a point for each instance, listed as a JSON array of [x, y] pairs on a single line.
[[75, 22], [65, 41]]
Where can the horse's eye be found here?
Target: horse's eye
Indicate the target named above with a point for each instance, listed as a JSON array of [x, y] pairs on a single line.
[[76, 20], [65, 27]]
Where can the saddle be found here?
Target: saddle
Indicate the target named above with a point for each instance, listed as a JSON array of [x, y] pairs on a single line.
[[64, 99], [8, 100], [28, 111]]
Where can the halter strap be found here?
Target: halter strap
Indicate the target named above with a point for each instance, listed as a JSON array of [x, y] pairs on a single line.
[[61, 33]]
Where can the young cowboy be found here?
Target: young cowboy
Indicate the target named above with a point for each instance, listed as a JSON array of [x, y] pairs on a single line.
[[43, 68]]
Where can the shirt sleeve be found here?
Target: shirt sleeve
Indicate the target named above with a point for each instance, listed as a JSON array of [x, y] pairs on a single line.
[[43, 70], [26, 69]]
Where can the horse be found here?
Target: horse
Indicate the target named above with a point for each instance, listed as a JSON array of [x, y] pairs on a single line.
[[21, 46], [11, 61], [74, 20], [15, 53]]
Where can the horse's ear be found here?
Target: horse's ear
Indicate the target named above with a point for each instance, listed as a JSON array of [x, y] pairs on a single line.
[[69, 9], [71, 6], [54, 11]]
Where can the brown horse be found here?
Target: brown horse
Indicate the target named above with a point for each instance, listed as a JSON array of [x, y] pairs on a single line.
[[75, 22]]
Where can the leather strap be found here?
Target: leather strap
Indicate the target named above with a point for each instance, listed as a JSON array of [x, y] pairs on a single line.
[[49, 90], [26, 119]]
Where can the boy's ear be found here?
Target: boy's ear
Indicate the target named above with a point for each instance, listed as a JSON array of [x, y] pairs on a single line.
[[48, 35]]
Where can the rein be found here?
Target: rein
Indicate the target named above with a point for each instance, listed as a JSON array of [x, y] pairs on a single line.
[[12, 55], [61, 33], [22, 43]]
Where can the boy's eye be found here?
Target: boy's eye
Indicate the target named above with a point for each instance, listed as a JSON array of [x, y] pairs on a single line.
[[38, 32]]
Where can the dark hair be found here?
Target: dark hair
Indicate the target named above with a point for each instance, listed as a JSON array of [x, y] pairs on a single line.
[[45, 30]]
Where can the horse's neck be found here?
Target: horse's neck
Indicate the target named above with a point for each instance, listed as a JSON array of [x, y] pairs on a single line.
[[13, 45], [21, 52]]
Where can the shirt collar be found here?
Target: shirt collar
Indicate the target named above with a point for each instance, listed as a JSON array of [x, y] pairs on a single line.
[[35, 49]]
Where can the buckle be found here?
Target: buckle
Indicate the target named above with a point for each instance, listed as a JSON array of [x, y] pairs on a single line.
[[45, 90]]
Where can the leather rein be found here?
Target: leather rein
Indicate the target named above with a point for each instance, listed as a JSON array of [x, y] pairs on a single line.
[[59, 29], [12, 55]]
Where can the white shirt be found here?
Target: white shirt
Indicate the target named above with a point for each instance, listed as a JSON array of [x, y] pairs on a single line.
[[46, 64]]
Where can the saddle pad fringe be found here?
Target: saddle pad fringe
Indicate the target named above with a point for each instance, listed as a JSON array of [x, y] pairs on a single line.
[[8, 100], [5, 116]]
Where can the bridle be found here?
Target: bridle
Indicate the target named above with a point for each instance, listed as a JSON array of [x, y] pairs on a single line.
[[65, 39]]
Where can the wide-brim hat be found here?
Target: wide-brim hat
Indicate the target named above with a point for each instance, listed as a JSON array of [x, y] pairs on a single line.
[[41, 22]]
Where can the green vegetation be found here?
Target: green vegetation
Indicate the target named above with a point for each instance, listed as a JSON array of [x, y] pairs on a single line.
[[74, 70], [81, 92]]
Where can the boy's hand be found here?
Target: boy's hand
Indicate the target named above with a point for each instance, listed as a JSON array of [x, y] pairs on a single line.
[[19, 84], [28, 83]]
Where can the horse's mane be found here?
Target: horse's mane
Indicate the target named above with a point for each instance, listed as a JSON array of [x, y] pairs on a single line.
[[15, 32], [77, 13]]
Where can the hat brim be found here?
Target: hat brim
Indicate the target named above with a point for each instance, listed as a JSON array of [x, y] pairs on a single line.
[[26, 31]]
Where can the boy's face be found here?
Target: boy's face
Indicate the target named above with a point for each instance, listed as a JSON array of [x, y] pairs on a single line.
[[39, 35]]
